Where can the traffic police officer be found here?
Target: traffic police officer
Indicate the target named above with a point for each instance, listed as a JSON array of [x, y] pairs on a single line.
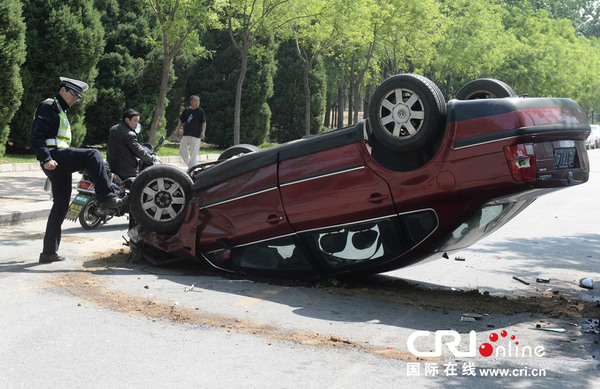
[[51, 141]]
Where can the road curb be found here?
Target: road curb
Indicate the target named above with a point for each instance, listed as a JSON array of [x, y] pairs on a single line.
[[16, 217], [21, 202], [28, 167]]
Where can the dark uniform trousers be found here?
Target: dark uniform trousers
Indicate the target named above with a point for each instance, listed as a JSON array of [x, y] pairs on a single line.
[[71, 160]]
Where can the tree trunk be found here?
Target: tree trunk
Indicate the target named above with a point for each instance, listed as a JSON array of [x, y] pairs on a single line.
[[350, 104], [357, 101], [327, 119], [238, 94], [307, 66], [160, 106], [341, 103]]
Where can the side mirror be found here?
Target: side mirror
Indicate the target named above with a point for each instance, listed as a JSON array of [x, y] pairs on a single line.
[[160, 143]]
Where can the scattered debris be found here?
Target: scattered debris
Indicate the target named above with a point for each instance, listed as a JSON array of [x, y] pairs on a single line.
[[591, 326], [475, 316], [587, 283], [467, 318], [146, 287], [189, 289], [520, 280], [551, 329], [542, 279], [460, 259]]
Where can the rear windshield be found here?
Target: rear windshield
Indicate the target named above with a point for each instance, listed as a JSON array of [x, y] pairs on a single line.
[[482, 223]]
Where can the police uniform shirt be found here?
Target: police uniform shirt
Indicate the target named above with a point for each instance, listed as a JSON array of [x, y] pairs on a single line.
[[45, 126]]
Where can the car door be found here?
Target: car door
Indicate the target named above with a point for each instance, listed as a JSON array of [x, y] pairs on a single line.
[[238, 202], [325, 183]]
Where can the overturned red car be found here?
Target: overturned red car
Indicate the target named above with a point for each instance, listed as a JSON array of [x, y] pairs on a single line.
[[418, 179]]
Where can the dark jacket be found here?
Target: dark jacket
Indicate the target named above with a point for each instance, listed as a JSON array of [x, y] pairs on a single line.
[[45, 126], [124, 150]]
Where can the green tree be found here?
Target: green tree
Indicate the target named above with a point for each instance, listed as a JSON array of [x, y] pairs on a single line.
[[248, 21], [215, 80], [318, 36], [185, 67], [127, 70], [583, 14], [407, 43], [71, 46], [177, 19], [549, 59], [288, 101], [12, 56], [475, 43]]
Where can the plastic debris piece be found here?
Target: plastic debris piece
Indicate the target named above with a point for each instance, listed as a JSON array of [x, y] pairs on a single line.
[[460, 259], [587, 283], [542, 279], [475, 316], [467, 318], [552, 329], [520, 280], [186, 289]]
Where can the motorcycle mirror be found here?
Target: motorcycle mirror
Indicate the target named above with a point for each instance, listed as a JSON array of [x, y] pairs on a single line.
[[160, 142]]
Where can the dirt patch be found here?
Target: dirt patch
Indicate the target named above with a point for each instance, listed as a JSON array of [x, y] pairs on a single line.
[[40, 236], [89, 285], [401, 292]]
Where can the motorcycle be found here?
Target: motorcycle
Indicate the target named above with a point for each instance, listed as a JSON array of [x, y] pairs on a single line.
[[85, 206]]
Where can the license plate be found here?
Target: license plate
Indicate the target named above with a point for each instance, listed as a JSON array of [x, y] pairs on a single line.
[[76, 206], [564, 158]]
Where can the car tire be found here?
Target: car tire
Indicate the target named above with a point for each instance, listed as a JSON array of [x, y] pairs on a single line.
[[407, 112], [159, 198], [237, 150], [485, 88], [88, 217]]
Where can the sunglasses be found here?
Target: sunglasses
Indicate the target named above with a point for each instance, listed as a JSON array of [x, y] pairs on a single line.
[[74, 95]]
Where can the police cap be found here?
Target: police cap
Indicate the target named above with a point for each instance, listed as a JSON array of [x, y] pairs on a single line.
[[76, 86]]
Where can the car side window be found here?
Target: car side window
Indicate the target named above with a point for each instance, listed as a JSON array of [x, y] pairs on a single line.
[[281, 255], [380, 240]]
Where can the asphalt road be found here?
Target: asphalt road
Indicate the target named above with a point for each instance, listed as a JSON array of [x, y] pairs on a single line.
[[96, 321]]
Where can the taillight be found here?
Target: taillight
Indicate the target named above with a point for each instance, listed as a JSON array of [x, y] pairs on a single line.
[[521, 161], [85, 185]]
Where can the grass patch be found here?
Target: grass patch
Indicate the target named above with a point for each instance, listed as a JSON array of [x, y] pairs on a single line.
[[167, 150], [172, 149]]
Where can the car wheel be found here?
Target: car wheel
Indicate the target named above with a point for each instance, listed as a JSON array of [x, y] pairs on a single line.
[[485, 88], [159, 197], [407, 112], [88, 217], [237, 150]]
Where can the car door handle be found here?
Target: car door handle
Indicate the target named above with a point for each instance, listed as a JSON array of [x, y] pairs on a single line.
[[377, 198], [274, 218]]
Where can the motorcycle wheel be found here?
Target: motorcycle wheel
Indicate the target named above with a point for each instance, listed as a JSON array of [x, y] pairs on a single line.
[[88, 217]]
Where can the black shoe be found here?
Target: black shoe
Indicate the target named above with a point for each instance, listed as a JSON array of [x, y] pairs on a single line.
[[112, 202], [49, 258]]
